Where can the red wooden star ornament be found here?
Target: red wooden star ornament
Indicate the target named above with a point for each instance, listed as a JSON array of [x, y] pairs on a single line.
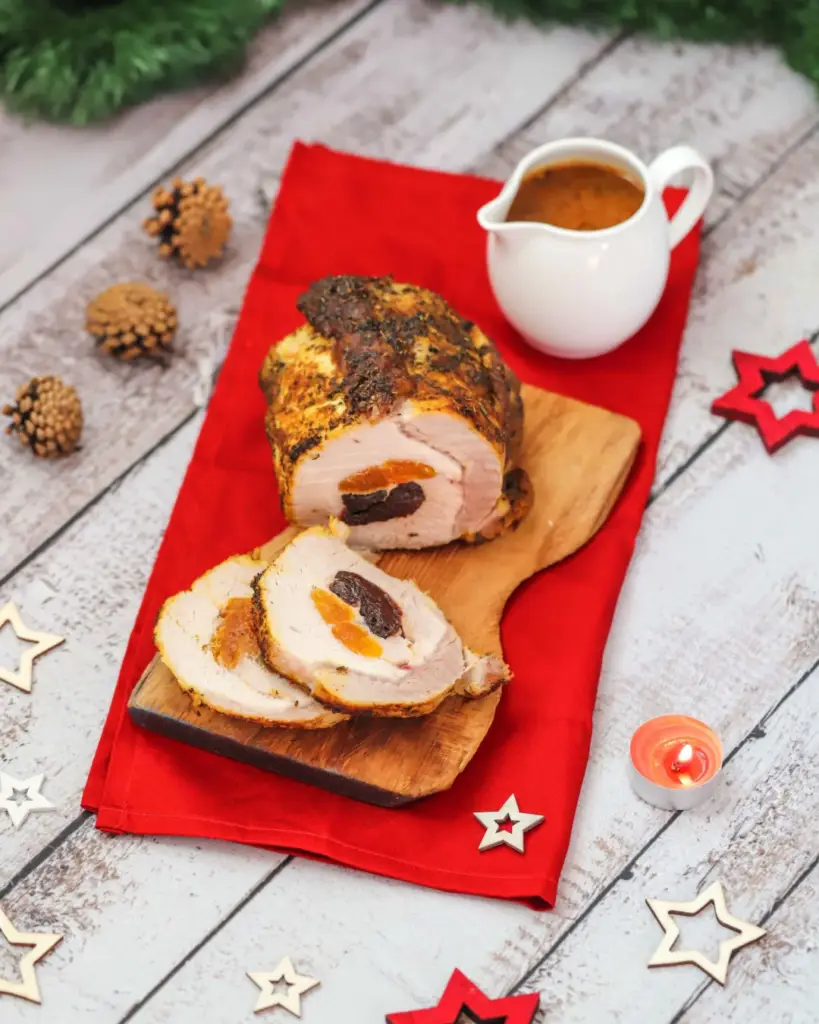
[[755, 373], [463, 997]]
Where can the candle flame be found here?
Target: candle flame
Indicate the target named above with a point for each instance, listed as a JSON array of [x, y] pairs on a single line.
[[683, 758]]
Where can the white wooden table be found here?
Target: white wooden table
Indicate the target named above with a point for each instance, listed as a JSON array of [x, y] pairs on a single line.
[[719, 616]]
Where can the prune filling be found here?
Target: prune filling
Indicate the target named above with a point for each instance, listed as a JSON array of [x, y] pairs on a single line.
[[378, 610], [380, 506], [360, 504]]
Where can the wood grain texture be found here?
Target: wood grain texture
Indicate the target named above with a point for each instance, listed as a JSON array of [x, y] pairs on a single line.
[[719, 600], [357, 85], [757, 836], [754, 293], [367, 91], [104, 167], [741, 629], [745, 111], [88, 588], [742, 107], [577, 457], [123, 931], [776, 981]]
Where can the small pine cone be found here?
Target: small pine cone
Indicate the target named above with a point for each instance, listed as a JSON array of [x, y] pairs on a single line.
[[132, 320], [191, 222], [47, 416]]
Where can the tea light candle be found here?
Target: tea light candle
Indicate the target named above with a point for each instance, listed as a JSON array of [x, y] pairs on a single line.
[[675, 762]]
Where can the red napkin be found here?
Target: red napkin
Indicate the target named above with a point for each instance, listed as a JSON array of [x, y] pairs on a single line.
[[338, 213]]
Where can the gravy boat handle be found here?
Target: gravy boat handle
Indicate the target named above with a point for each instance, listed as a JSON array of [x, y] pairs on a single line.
[[672, 162]]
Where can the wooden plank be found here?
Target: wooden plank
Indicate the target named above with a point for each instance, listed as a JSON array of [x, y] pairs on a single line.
[[754, 293], [712, 542], [742, 107], [186, 890], [367, 91], [101, 168], [745, 110], [767, 806], [86, 588], [774, 981], [577, 458], [757, 836], [589, 866], [131, 408]]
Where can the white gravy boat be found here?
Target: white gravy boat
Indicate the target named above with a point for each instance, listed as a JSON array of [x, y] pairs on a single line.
[[581, 293]]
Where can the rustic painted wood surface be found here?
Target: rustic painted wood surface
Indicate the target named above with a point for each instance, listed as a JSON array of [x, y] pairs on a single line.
[[101, 169], [719, 616]]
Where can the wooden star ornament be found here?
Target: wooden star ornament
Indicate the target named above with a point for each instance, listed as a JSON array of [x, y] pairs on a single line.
[[520, 820], [744, 402], [43, 642], [35, 801], [463, 997], [41, 944], [666, 956], [297, 985]]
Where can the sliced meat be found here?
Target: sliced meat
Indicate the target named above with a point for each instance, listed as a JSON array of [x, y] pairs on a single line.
[[356, 638], [321, 487], [206, 637], [388, 410]]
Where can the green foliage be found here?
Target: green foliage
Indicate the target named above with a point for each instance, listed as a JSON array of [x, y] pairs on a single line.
[[75, 61], [793, 25], [80, 61]]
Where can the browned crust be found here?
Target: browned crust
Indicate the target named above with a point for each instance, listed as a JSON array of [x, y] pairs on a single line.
[[264, 634], [325, 722], [319, 691], [368, 345], [330, 699], [197, 698], [485, 690], [512, 508], [322, 690]]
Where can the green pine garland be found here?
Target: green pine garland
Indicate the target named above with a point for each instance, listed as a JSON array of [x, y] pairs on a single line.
[[80, 61], [792, 25]]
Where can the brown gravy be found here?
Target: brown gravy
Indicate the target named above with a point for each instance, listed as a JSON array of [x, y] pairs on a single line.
[[580, 196]]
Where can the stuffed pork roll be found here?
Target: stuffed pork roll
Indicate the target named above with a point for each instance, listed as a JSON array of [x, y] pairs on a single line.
[[206, 638], [358, 639], [390, 412]]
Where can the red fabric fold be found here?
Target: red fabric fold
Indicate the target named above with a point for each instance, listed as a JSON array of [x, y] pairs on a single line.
[[338, 213]]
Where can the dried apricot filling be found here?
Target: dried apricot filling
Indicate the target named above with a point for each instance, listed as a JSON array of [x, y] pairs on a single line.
[[356, 639], [331, 608], [235, 636], [389, 473]]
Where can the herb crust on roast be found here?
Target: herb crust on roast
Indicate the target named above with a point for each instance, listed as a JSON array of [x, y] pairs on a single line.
[[389, 410]]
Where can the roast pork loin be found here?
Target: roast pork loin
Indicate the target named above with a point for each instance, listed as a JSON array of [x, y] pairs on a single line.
[[359, 640], [206, 638], [389, 411]]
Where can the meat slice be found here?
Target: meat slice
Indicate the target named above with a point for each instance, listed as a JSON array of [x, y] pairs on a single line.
[[389, 411], [206, 637], [357, 639]]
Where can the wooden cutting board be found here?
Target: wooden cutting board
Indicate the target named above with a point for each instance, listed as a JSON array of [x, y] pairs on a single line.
[[578, 457]]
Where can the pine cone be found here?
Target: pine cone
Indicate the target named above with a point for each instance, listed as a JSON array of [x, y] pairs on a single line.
[[191, 222], [131, 320], [47, 417]]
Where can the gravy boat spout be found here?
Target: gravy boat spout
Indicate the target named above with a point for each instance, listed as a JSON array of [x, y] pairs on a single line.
[[492, 215], [578, 292]]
